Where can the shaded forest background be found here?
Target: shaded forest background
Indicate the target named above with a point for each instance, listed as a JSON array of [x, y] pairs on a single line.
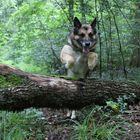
[[32, 34]]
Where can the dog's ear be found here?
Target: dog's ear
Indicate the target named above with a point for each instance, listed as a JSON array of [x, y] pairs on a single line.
[[93, 24], [77, 23]]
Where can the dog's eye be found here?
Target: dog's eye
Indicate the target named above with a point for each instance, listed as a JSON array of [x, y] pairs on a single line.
[[82, 35], [90, 34]]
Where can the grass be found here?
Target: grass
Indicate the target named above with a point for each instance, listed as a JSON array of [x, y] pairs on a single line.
[[21, 126], [94, 124], [98, 125]]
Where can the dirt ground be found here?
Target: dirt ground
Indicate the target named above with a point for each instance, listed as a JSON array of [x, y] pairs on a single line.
[[58, 127], [133, 117]]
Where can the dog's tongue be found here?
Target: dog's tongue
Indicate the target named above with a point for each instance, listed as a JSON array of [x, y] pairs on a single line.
[[85, 50]]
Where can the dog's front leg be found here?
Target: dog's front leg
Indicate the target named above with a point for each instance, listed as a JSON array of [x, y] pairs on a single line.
[[92, 60], [68, 60]]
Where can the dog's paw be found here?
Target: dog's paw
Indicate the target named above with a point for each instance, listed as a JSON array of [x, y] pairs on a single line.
[[92, 61], [91, 66], [73, 115]]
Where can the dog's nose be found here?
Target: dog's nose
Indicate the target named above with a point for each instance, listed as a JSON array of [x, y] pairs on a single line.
[[87, 44]]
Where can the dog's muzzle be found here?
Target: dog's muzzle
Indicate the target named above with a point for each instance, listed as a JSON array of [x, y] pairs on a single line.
[[86, 45]]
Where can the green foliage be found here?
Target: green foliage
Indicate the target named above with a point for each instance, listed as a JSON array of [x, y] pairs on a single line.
[[113, 105], [20, 126], [98, 125], [120, 106], [33, 32], [32, 38]]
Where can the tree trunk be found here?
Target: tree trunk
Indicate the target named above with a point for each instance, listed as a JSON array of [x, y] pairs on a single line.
[[135, 59], [136, 25], [135, 39], [71, 10], [43, 91], [83, 11]]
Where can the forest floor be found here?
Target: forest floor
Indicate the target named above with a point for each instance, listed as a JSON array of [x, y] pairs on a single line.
[[60, 128], [133, 117]]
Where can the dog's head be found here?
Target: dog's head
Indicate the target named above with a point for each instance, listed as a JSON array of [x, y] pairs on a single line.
[[84, 36]]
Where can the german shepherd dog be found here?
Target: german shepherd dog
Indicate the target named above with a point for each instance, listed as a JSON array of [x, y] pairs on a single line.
[[79, 54]]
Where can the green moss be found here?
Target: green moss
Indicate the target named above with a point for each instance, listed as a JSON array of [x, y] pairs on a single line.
[[10, 80], [72, 78], [66, 77]]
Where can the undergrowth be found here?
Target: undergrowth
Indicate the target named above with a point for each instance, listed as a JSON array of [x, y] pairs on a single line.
[[25, 125], [98, 125]]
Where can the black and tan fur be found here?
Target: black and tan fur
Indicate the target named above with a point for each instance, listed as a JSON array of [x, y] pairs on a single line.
[[79, 54]]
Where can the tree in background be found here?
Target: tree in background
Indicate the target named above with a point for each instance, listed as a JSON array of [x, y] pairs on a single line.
[[135, 39]]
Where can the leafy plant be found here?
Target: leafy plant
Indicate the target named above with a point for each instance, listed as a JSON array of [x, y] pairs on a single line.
[[98, 125], [21, 126]]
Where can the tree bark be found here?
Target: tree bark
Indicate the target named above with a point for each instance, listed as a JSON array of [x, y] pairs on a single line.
[[71, 10], [135, 59], [135, 35], [43, 91]]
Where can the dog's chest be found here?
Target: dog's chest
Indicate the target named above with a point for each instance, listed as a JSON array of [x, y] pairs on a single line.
[[81, 64]]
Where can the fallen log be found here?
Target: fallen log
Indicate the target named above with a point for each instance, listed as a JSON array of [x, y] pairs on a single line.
[[43, 91]]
